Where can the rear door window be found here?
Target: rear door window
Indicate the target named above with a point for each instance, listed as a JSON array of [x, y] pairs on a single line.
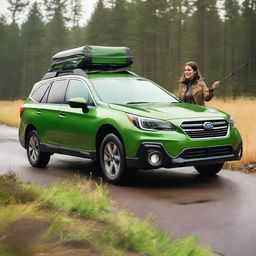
[[39, 93], [57, 92]]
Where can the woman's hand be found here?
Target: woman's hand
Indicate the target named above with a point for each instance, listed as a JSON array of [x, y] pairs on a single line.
[[215, 85]]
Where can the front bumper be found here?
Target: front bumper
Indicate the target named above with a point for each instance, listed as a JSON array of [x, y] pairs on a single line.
[[188, 157]]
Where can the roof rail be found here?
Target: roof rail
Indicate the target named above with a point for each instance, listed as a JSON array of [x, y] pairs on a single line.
[[132, 73], [49, 75], [122, 71], [76, 71]]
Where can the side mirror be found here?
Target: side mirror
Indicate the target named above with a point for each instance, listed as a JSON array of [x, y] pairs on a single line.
[[79, 103]]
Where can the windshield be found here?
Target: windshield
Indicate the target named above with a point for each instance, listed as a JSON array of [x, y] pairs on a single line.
[[124, 90]]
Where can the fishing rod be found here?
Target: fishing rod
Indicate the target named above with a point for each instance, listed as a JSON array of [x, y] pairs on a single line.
[[233, 72]]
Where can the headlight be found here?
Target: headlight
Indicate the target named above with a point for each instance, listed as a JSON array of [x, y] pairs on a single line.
[[231, 123], [149, 124]]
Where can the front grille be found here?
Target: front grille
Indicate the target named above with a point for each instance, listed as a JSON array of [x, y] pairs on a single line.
[[195, 129], [194, 153]]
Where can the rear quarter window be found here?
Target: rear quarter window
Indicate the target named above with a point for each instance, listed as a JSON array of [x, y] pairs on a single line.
[[39, 93]]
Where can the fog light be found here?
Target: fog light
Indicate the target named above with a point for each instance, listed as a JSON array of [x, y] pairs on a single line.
[[240, 152], [155, 158]]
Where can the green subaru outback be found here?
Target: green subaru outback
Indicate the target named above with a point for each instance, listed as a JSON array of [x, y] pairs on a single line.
[[123, 122]]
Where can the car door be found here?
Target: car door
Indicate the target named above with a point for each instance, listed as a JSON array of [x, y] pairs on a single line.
[[48, 120], [77, 129]]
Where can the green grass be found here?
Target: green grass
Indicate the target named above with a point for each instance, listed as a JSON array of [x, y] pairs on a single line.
[[70, 198], [129, 232], [12, 250], [12, 191], [71, 218]]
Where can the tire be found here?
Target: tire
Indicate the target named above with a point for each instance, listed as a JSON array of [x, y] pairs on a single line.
[[95, 167], [209, 169], [36, 157], [112, 160]]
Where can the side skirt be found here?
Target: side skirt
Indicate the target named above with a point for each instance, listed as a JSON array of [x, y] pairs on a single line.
[[91, 154]]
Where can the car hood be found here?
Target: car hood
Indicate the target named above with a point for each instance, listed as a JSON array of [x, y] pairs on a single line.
[[169, 111]]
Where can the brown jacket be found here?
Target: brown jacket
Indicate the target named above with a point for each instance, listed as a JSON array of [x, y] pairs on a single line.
[[200, 92]]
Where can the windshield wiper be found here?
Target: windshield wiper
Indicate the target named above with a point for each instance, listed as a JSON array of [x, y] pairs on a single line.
[[137, 102], [144, 102]]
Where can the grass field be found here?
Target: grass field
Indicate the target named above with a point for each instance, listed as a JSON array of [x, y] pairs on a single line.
[[243, 111], [10, 112]]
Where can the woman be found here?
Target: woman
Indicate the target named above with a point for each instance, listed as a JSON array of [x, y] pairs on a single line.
[[192, 88]]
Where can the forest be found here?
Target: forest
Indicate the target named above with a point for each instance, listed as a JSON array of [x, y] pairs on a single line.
[[220, 35]]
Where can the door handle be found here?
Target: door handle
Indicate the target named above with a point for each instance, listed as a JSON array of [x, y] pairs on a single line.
[[62, 115], [38, 112]]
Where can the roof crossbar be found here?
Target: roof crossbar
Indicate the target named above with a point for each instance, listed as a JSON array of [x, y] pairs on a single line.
[[76, 71]]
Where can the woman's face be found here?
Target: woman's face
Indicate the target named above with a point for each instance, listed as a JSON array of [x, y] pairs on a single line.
[[189, 72]]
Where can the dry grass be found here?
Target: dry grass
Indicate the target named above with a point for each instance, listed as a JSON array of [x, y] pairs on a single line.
[[10, 112], [243, 111]]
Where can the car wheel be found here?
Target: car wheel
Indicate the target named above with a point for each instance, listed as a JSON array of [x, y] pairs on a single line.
[[209, 169], [36, 157], [112, 159]]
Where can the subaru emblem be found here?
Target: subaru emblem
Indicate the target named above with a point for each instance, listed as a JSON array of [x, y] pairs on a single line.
[[208, 126]]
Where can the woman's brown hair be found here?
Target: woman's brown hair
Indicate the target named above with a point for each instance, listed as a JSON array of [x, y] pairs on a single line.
[[194, 66]]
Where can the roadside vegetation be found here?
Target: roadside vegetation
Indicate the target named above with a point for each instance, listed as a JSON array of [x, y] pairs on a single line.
[[243, 112], [9, 112], [78, 218]]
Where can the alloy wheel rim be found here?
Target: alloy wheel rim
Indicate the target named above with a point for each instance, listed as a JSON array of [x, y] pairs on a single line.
[[33, 148], [111, 157]]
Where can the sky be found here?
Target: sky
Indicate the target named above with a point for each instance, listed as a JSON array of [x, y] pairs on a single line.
[[88, 7]]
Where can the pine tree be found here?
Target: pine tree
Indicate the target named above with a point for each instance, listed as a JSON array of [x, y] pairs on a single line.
[[230, 44], [32, 34], [56, 31], [213, 40], [248, 47], [13, 61], [14, 51], [15, 7], [77, 37], [98, 28], [179, 11], [3, 58], [144, 32], [118, 23], [202, 37], [190, 32], [76, 12]]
